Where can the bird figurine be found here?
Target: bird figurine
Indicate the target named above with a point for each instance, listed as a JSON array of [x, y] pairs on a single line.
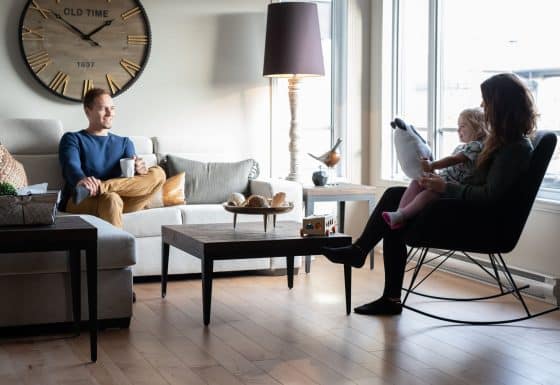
[[331, 157]]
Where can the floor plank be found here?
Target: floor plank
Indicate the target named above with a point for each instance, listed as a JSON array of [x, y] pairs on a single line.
[[263, 333]]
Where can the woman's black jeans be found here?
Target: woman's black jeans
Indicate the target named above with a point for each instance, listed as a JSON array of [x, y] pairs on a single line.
[[394, 247]]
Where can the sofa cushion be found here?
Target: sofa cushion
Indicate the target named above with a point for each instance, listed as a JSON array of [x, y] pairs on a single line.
[[147, 223], [115, 250], [11, 171], [212, 182]]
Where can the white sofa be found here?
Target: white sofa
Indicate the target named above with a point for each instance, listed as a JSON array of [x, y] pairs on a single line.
[[146, 225], [34, 142]]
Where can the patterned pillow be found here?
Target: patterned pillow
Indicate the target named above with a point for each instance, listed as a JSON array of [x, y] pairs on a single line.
[[11, 170]]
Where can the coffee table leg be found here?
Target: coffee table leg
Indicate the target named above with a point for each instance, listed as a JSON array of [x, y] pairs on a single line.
[[348, 285], [164, 268], [290, 270], [91, 262], [207, 268]]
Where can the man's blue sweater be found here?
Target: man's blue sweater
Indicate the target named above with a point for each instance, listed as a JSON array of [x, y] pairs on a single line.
[[81, 155]]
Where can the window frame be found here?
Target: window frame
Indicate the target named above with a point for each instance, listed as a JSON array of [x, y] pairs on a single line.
[[435, 131]]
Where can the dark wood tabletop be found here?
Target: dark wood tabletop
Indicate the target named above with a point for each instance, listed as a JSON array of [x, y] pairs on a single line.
[[248, 240], [70, 229]]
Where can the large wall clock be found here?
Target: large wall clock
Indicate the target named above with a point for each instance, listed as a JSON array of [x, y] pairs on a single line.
[[71, 46]]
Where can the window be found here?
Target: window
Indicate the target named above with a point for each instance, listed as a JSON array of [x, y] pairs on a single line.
[[318, 126], [453, 46]]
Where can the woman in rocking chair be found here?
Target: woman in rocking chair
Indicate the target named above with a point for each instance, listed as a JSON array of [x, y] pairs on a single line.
[[511, 118]]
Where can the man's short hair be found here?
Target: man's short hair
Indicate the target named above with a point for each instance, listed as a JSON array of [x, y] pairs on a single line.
[[93, 94]]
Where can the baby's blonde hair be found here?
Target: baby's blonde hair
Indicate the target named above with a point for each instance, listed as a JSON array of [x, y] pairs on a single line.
[[476, 119]]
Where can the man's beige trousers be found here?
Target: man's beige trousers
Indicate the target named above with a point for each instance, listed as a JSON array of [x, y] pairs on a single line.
[[120, 195]]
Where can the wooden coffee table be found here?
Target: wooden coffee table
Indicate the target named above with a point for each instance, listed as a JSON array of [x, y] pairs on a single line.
[[220, 241]]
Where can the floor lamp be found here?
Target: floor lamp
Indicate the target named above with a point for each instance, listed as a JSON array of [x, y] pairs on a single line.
[[293, 51]]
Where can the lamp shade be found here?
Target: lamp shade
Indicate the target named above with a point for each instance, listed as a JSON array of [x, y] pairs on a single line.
[[293, 41]]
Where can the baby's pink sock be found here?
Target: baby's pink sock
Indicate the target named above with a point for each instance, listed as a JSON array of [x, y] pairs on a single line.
[[395, 219]]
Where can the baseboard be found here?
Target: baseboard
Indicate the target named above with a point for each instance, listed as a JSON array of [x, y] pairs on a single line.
[[543, 287]]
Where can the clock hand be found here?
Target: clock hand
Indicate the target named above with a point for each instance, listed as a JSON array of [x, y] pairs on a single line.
[[75, 29], [105, 24]]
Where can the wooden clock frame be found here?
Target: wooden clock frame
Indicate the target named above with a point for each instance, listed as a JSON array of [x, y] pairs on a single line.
[[36, 55]]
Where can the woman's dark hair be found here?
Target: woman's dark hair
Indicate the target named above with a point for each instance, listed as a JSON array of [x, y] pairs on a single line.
[[510, 112], [91, 95]]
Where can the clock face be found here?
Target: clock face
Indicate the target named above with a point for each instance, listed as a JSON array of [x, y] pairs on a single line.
[[71, 46]]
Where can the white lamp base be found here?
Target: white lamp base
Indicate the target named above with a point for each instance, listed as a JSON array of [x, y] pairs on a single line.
[[293, 93]]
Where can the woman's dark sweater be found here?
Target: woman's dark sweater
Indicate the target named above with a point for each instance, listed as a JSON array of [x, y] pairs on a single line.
[[494, 181]]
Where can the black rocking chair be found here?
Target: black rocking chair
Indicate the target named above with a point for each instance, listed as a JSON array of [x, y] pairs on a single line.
[[477, 228]]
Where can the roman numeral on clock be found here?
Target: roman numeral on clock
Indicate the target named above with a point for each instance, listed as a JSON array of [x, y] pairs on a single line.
[[130, 13], [59, 82], [32, 34], [112, 84], [88, 85], [130, 67], [137, 40], [37, 8], [38, 61]]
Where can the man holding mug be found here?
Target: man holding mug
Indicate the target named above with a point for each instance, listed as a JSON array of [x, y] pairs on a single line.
[[91, 167]]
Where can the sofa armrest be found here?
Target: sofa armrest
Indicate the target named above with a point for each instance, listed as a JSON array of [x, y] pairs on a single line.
[[294, 193]]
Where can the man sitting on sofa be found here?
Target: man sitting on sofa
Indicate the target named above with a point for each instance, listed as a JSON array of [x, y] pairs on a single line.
[[90, 161]]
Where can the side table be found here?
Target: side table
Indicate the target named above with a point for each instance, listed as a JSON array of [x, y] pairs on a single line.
[[340, 193], [71, 234]]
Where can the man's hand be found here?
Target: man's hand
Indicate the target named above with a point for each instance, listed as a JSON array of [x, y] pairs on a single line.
[[433, 182], [91, 183], [140, 166]]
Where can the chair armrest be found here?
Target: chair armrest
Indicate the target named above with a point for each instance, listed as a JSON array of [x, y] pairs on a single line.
[[294, 193]]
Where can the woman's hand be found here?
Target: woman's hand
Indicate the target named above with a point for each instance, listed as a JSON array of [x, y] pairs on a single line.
[[433, 182], [426, 165]]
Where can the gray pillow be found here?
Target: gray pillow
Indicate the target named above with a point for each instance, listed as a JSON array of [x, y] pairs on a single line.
[[212, 182]]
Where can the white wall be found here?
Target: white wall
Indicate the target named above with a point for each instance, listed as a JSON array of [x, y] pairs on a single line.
[[203, 81]]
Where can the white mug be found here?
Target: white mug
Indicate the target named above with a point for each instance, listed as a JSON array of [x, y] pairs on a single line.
[[127, 167]]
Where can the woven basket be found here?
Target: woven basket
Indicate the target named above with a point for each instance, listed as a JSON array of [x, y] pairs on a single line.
[[35, 209]]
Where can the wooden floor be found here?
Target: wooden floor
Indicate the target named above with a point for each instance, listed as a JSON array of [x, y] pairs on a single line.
[[263, 333]]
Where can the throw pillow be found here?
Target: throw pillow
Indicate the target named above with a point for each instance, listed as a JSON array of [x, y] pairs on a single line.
[[172, 193], [11, 170], [410, 148], [212, 182]]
